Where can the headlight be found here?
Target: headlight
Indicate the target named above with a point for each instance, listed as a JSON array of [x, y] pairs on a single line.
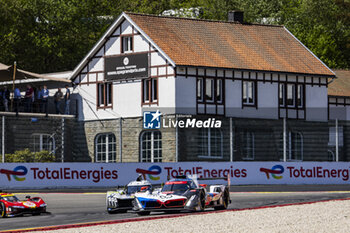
[[43, 205], [17, 207]]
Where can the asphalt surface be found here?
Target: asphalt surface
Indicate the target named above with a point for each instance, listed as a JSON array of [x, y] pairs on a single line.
[[70, 208]]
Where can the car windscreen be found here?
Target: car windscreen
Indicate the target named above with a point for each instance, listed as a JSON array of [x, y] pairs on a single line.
[[177, 186], [134, 189], [11, 199]]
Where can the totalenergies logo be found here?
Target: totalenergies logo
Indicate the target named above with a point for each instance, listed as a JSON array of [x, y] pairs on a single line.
[[153, 170], [18, 171], [274, 171]]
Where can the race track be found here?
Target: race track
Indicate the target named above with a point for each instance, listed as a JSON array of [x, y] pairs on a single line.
[[70, 208]]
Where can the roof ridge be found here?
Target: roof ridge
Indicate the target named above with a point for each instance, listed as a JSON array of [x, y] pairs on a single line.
[[203, 20]]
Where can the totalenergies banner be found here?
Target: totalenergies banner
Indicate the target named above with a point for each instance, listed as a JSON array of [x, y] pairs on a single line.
[[70, 175]]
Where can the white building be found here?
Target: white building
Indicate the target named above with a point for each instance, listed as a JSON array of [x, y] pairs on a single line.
[[249, 76]]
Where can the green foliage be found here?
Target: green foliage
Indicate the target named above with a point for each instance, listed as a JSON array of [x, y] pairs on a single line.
[[54, 35], [26, 156]]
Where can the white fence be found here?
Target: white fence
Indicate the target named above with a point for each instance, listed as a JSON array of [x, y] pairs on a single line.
[[78, 175]]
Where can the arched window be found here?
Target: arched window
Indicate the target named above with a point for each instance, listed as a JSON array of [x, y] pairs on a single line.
[[151, 146], [105, 148], [210, 143], [295, 146], [44, 142]]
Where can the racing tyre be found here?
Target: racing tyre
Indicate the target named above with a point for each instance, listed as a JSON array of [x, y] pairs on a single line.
[[201, 200], [226, 200], [143, 213], [2, 210]]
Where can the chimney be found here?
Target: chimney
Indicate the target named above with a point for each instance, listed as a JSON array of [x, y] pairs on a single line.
[[235, 16]]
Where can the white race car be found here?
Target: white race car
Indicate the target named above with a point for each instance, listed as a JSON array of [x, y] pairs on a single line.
[[120, 201]]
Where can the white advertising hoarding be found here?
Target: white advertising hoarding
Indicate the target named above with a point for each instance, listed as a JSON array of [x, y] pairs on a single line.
[[74, 175]]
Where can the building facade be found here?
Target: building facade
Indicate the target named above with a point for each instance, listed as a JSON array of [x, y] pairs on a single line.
[[267, 89]]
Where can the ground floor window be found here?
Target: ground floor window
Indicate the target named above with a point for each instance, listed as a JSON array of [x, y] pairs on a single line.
[[151, 146], [295, 146], [44, 142], [210, 143], [105, 148], [248, 145]]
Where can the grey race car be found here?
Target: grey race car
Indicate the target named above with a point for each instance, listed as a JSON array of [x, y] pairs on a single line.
[[120, 201]]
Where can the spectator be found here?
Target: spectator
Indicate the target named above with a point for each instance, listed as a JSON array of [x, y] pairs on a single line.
[[45, 99], [16, 99], [39, 97], [29, 98], [6, 98], [2, 108], [58, 97], [67, 100]]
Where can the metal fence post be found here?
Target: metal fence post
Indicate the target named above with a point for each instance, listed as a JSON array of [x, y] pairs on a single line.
[[62, 139], [231, 141], [336, 141], [284, 139], [120, 140], [176, 142], [3, 139]]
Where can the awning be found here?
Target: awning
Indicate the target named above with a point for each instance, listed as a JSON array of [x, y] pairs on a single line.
[[6, 75]]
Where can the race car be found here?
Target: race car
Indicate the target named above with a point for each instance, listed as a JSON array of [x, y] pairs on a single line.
[[11, 206], [120, 201], [183, 193]]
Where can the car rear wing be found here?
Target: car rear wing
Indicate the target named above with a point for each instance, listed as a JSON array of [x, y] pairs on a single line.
[[194, 177]]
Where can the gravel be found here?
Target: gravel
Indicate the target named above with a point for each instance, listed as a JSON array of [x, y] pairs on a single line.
[[332, 216]]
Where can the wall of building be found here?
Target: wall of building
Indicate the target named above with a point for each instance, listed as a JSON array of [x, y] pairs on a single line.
[[127, 93], [86, 132]]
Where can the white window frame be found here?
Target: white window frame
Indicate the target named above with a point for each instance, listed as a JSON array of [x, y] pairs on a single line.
[[248, 89], [292, 93], [282, 89], [152, 149], [104, 93], [207, 139], [150, 91], [212, 83], [105, 154], [127, 43], [300, 94], [200, 90], [219, 89], [41, 142], [246, 136]]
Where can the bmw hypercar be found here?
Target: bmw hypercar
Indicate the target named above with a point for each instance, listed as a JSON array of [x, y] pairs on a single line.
[[11, 206], [183, 193]]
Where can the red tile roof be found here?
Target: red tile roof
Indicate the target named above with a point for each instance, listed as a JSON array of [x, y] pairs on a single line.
[[341, 85], [205, 43]]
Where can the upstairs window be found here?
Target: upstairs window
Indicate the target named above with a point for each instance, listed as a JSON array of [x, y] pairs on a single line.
[[291, 95], [127, 44], [248, 93], [150, 91], [210, 90], [104, 95]]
